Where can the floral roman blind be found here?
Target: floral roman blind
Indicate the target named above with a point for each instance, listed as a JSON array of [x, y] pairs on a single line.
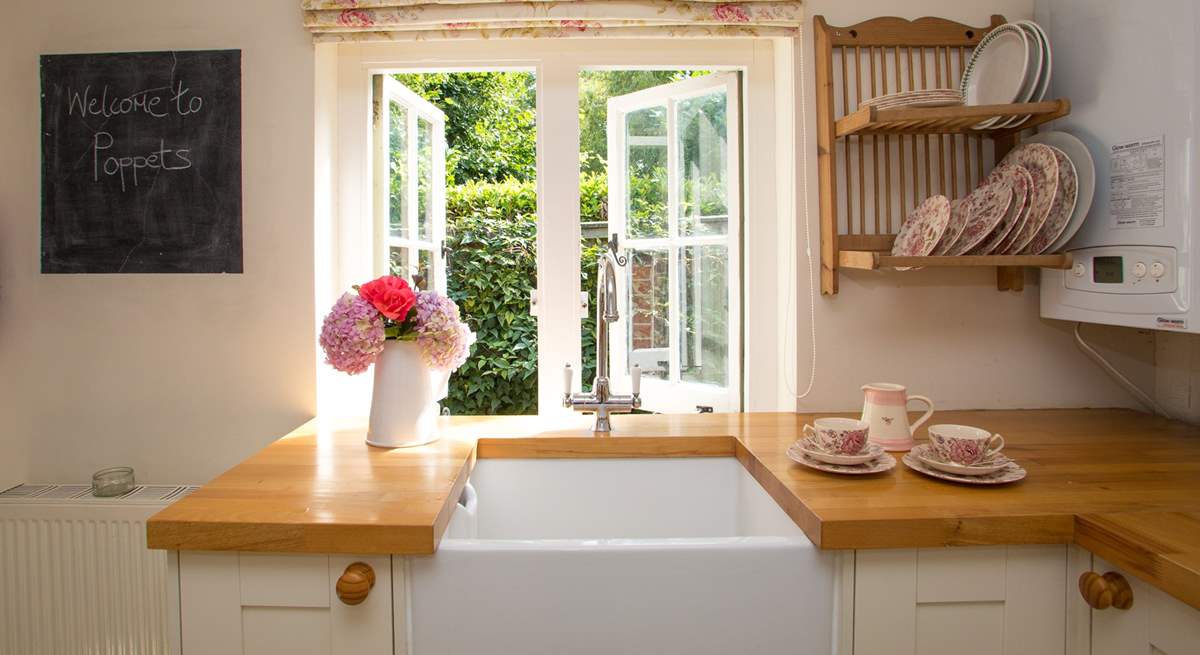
[[417, 20]]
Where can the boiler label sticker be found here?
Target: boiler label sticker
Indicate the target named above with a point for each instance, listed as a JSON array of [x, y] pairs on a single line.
[[1137, 188]]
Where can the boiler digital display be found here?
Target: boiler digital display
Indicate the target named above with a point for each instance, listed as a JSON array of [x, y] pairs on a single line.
[[1108, 270]]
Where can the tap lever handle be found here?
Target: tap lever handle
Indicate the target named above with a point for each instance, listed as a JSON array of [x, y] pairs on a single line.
[[635, 377], [568, 379]]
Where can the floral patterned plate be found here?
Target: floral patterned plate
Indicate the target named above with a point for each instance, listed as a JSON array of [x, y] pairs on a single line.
[[924, 226], [989, 205], [1063, 207], [1085, 182], [1021, 183], [810, 448], [960, 214], [1039, 159], [929, 457], [1010, 473], [884, 462]]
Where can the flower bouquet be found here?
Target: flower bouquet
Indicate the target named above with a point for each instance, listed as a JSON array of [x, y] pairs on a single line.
[[415, 339]]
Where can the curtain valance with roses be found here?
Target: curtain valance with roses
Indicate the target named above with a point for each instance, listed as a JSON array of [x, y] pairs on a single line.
[[416, 20]]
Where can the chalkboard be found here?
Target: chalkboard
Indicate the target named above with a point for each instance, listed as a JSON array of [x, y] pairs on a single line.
[[142, 162]]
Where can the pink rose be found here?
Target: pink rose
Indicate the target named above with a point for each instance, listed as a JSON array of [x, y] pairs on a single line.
[[354, 18], [728, 13], [391, 295]]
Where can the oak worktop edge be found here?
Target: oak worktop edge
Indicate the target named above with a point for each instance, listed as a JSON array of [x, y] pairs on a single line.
[[1079, 461]]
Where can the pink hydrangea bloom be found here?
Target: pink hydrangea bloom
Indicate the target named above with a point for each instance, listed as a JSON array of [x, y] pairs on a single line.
[[444, 339], [352, 334]]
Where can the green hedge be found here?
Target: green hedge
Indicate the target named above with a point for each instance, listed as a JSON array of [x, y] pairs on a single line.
[[491, 230]]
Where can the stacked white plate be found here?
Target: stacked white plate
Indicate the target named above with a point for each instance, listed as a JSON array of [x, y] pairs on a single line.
[[1011, 64], [1032, 203], [917, 98]]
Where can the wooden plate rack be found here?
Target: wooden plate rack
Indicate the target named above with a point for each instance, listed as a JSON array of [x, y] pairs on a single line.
[[876, 165]]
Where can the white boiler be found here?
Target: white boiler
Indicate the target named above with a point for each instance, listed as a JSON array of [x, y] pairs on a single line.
[[1131, 72]]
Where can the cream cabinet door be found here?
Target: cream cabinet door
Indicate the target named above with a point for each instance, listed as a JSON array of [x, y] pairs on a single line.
[[948, 601], [1156, 624], [261, 604]]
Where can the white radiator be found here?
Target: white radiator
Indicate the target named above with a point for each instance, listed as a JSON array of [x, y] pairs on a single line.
[[76, 576]]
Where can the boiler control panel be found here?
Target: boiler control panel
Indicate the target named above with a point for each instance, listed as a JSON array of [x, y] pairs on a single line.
[[1123, 270]]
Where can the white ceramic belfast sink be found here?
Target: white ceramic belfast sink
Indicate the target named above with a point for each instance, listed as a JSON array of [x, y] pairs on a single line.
[[611, 556]]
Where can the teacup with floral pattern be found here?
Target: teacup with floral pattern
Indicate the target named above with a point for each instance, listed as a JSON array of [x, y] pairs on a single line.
[[964, 444], [840, 436]]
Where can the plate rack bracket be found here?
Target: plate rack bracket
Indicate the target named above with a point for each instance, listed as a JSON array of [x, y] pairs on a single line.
[[875, 165]]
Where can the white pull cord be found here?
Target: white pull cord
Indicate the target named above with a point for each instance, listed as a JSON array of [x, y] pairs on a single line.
[[1112, 371], [803, 209]]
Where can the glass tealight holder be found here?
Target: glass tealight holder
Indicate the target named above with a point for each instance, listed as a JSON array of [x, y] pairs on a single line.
[[114, 481]]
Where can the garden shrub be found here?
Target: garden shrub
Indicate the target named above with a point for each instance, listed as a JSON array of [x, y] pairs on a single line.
[[491, 231]]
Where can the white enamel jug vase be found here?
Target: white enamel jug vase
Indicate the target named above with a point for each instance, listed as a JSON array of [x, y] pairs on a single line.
[[404, 402], [885, 408]]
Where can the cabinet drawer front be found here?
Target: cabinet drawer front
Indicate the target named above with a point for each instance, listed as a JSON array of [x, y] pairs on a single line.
[[1174, 626], [959, 575], [252, 604], [1156, 623], [284, 580], [936, 601]]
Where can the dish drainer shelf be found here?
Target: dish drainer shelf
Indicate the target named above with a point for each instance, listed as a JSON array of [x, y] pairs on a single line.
[[948, 120], [875, 165], [870, 260]]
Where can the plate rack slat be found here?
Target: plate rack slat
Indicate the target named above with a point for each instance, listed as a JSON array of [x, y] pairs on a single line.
[[892, 159]]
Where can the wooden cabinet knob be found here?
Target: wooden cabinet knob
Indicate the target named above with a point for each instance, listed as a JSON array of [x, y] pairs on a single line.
[[356, 583], [1105, 591]]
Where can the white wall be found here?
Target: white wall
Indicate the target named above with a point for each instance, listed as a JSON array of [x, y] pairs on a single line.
[[1177, 375], [180, 376], [948, 334]]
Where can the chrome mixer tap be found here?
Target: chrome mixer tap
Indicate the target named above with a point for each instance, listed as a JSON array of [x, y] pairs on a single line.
[[601, 400]]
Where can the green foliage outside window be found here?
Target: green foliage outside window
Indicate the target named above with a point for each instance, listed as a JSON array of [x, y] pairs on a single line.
[[490, 117], [491, 229], [491, 217]]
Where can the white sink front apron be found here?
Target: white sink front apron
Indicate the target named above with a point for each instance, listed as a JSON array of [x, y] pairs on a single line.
[[616, 556]]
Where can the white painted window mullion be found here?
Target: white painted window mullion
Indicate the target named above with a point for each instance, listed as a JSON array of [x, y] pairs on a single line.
[[674, 205], [413, 184]]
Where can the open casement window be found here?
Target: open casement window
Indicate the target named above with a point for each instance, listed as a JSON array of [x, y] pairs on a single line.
[[674, 200], [408, 160]]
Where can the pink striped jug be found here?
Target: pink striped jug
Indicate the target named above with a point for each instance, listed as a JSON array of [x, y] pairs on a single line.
[[885, 408]]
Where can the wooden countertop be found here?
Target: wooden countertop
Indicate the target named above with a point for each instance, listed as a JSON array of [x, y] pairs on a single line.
[[1161, 548], [320, 489]]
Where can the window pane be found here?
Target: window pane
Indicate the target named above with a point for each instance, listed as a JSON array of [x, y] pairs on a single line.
[[424, 178], [398, 184], [423, 277], [703, 165], [398, 261], [649, 306], [646, 177], [704, 310]]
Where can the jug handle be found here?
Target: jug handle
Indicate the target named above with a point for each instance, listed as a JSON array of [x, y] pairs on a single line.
[[925, 416]]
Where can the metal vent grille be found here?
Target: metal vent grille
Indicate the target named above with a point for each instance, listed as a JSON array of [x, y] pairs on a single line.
[[142, 494]]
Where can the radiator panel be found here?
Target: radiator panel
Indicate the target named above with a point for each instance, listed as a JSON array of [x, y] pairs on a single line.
[[76, 577]]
